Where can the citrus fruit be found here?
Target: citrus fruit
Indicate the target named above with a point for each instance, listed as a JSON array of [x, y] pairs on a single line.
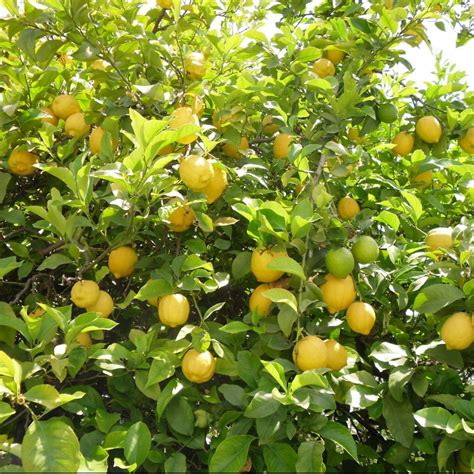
[[258, 302], [323, 67], [181, 117], [194, 101], [222, 118], [166, 150], [353, 135], [95, 140], [423, 180], [404, 143], [347, 208], [195, 65], [198, 367], [104, 305], [196, 172], [339, 262], [122, 261], [259, 261], [335, 56], [232, 151], [84, 340], [441, 237], [85, 293], [21, 162], [173, 310], [429, 129], [365, 249], [216, 187], [182, 218], [99, 65], [387, 113], [466, 141], [76, 125], [456, 331], [49, 117], [281, 145], [338, 293], [336, 355], [65, 105], [269, 127], [310, 353], [164, 3], [153, 301], [361, 317]]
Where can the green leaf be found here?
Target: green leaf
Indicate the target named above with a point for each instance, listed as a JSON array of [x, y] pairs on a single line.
[[399, 418], [261, 405], [446, 447], [235, 327], [6, 411], [415, 205], [4, 180], [308, 377], [279, 457], [160, 369], [50, 446], [340, 435], [231, 454], [137, 443], [175, 463], [49, 397], [54, 261], [173, 387], [287, 265], [180, 417], [433, 417], [276, 371], [7, 265], [433, 298], [279, 295], [389, 218], [310, 457]]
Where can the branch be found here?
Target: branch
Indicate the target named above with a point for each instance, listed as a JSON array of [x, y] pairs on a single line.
[[158, 21], [28, 285], [51, 248]]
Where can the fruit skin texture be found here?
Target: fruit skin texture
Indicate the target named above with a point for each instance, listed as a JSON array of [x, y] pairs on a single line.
[[260, 260], [216, 187], [466, 141], [85, 293], [269, 128], [361, 317], [456, 332], [65, 105], [387, 113], [173, 310], [84, 340], [429, 129], [404, 143], [324, 67], [184, 116], [338, 293], [76, 125], [347, 208], [423, 180], [353, 135], [50, 118], [22, 163], [122, 261], [95, 140], [310, 353], [195, 65], [99, 65], [440, 237], [196, 172], [336, 355], [365, 249], [260, 303], [280, 145], [181, 219], [104, 305], [198, 367], [339, 262], [232, 152], [335, 55], [164, 3]]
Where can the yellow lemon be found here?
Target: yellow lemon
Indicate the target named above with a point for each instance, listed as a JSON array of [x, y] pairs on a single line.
[[360, 317], [166, 150], [173, 310], [196, 172], [95, 140], [122, 261], [182, 218], [353, 135], [216, 187], [232, 151], [429, 129], [456, 331], [49, 116], [347, 208], [99, 65], [104, 305], [21, 162], [338, 293], [324, 67], [269, 127], [466, 141], [335, 56], [85, 293], [337, 355], [258, 302], [193, 100], [441, 237], [84, 340], [164, 3], [423, 180], [181, 117], [198, 367], [65, 105], [310, 353], [76, 125], [281, 145], [195, 65], [404, 143], [259, 261]]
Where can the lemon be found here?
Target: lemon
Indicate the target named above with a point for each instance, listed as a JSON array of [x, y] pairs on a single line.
[[65, 105], [347, 208], [336, 355], [195, 65], [281, 145], [95, 140], [404, 143], [387, 113], [122, 261], [104, 305], [324, 67], [181, 117], [466, 141], [423, 180], [173, 310], [259, 261], [85, 293], [457, 331], [182, 218], [164, 3], [339, 262], [76, 125], [84, 340], [21, 162], [365, 249], [196, 172], [310, 353], [269, 127], [198, 367], [338, 293], [360, 317], [429, 129], [216, 187], [335, 56], [221, 118], [232, 151], [194, 101], [353, 135], [166, 150], [258, 302], [49, 117], [441, 237], [99, 65]]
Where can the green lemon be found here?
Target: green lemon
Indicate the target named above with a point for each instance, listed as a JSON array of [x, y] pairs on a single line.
[[340, 262], [365, 249], [387, 113]]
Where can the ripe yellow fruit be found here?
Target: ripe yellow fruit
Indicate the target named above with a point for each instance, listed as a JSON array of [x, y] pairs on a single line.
[[457, 331], [21, 162], [99, 65], [258, 302], [49, 116], [166, 150], [84, 340], [404, 143], [423, 180], [122, 261], [173, 310], [198, 367], [104, 305], [95, 140], [181, 117], [429, 129], [347, 208], [441, 237], [76, 125], [182, 218], [324, 67], [466, 141], [195, 65], [195, 102], [360, 317], [65, 105], [281, 145], [232, 151], [337, 355], [353, 135], [196, 172], [85, 293], [310, 353], [164, 3], [269, 127], [259, 261], [335, 55], [216, 187], [338, 293]]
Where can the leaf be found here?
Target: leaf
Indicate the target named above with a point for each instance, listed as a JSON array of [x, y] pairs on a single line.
[[212, 310], [287, 265], [445, 448], [433, 417], [6, 411], [279, 457], [50, 446], [180, 417], [241, 265], [308, 377], [7, 265], [390, 219], [276, 371], [399, 418], [340, 435], [54, 261], [433, 298], [160, 369], [175, 463], [49, 397], [279, 295], [4, 180], [261, 405], [310, 457], [231, 454], [415, 205], [235, 327], [137, 443], [172, 389], [154, 289]]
